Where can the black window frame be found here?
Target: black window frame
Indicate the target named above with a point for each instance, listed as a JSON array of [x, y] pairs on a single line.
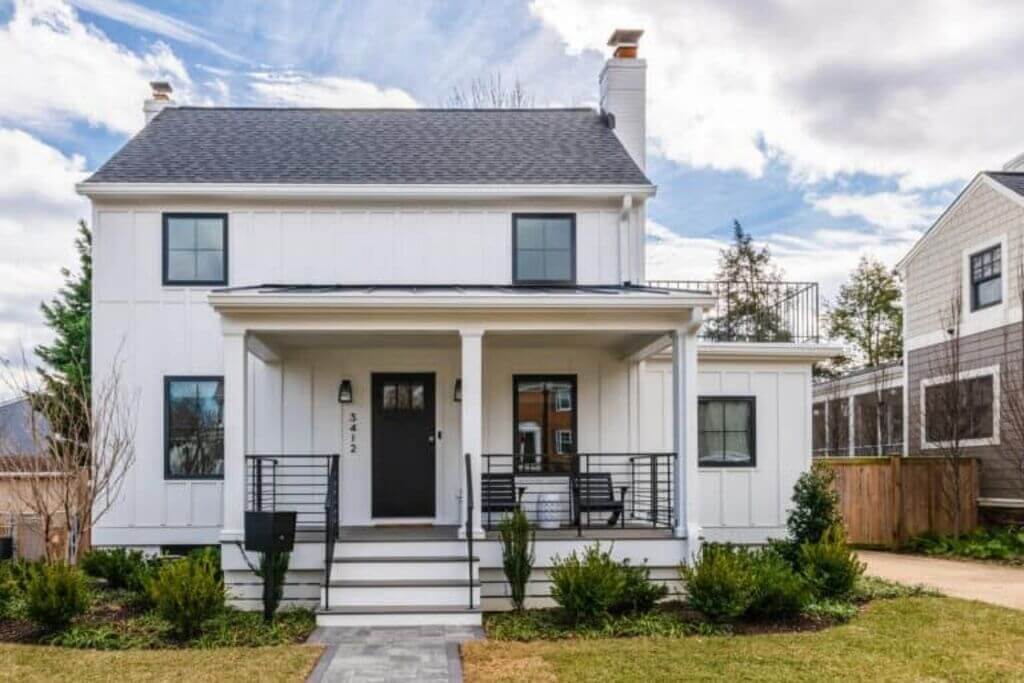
[[516, 381], [975, 283], [972, 411], [751, 431], [515, 248], [168, 380], [165, 252]]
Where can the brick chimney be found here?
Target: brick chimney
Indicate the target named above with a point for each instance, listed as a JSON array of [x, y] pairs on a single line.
[[624, 93], [160, 99]]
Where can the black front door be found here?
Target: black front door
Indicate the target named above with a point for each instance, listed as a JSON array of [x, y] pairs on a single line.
[[403, 445]]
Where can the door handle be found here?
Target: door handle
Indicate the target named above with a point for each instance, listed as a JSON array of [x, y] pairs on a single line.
[[430, 439]]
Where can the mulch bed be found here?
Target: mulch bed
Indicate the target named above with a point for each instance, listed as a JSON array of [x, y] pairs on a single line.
[[750, 628]]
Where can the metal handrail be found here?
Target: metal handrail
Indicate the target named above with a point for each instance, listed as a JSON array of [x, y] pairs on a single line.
[[469, 525], [331, 524]]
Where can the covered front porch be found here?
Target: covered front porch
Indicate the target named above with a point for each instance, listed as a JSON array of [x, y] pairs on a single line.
[[535, 400]]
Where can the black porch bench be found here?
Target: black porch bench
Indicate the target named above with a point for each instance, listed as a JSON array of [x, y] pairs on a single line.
[[592, 492], [498, 493]]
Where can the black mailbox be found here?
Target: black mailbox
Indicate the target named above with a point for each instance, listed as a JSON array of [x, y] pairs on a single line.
[[270, 532]]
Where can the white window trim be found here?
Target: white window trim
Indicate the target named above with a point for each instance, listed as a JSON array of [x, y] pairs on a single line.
[[559, 395], [558, 440], [991, 370], [991, 316]]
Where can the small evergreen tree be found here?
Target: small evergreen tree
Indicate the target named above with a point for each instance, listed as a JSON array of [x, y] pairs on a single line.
[[67, 373], [517, 554], [815, 506], [749, 307], [867, 315]]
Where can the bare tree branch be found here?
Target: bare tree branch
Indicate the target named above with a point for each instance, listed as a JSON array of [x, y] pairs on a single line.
[[489, 92]]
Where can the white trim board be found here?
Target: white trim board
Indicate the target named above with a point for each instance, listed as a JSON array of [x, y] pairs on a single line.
[[991, 370]]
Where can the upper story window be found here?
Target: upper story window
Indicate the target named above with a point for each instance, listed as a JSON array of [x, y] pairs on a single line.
[[195, 249], [986, 278], [725, 432], [194, 427], [544, 248]]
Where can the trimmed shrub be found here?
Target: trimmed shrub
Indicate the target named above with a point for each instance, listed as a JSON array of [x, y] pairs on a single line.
[[186, 593], [274, 572], [55, 593], [639, 593], [116, 566], [815, 506], [719, 583], [517, 553], [779, 591], [829, 565], [587, 587], [8, 586], [211, 555]]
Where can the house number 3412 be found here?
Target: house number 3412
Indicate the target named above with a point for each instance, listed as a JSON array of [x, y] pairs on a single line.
[[352, 427]]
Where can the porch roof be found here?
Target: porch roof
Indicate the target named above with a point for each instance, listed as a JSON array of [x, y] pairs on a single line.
[[457, 296]]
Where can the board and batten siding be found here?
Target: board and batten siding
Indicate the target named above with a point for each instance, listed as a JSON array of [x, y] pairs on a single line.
[[741, 504], [933, 274], [153, 330]]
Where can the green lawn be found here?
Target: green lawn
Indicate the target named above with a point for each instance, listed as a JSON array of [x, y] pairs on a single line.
[[904, 639], [43, 663]]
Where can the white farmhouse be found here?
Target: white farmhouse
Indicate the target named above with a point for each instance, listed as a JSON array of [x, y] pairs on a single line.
[[383, 319]]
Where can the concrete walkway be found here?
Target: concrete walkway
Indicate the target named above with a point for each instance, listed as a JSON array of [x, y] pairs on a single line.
[[420, 653], [982, 581]]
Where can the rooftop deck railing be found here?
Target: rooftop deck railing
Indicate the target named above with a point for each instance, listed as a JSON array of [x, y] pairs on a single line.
[[759, 311]]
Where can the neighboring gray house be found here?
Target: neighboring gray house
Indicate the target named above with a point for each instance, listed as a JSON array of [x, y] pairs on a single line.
[[17, 429], [973, 251]]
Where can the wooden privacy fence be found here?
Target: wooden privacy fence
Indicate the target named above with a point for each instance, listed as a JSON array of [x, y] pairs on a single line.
[[887, 501]]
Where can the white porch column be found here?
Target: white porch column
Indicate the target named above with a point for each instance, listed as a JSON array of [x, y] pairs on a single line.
[[684, 395], [472, 417], [235, 414]]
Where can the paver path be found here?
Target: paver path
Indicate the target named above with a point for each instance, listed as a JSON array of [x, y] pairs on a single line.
[[992, 583], [420, 653]]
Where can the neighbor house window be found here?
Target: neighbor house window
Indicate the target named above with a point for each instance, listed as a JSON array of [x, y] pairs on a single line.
[[545, 425], [986, 278], [194, 418], [725, 436], [967, 404], [544, 248], [195, 249]]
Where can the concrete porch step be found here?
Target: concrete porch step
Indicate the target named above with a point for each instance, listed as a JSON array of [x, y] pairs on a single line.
[[385, 568], [401, 593], [391, 615]]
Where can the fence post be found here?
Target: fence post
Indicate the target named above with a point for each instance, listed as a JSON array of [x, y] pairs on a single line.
[[897, 500]]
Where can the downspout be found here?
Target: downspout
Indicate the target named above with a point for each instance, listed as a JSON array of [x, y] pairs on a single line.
[[624, 221]]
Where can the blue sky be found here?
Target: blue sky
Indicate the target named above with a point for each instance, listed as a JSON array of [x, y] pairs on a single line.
[[830, 131]]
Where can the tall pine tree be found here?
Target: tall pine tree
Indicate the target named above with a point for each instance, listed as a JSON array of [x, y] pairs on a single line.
[[66, 371], [749, 293]]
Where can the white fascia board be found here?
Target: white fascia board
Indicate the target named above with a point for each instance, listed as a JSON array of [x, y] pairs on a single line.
[[767, 351], [276, 302], [96, 190]]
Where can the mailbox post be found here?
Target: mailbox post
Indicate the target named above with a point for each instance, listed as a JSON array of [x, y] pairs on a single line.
[[269, 533]]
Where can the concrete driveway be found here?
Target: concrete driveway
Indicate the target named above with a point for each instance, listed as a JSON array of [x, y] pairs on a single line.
[[982, 581]]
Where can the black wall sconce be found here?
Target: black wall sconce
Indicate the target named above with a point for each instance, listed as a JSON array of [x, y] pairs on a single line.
[[458, 390], [345, 391]]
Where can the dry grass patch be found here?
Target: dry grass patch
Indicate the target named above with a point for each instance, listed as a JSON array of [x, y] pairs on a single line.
[[31, 663], [906, 639]]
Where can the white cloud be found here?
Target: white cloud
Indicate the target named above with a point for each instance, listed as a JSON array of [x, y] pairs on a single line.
[[893, 211], [39, 211], [918, 90], [57, 68], [304, 90], [154, 22], [823, 256]]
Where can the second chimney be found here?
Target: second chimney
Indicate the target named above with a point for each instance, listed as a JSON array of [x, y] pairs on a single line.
[[160, 99], [624, 93]]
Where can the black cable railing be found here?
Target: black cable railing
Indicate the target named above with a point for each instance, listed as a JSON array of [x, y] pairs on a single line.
[[758, 311], [308, 484], [580, 490], [469, 525]]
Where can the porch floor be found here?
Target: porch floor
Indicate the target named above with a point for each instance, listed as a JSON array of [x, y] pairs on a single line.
[[425, 532]]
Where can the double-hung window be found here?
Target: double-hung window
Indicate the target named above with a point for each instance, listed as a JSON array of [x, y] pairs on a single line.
[[544, 248], [194, 427], [726, 428], [986, 278], [195, 249]]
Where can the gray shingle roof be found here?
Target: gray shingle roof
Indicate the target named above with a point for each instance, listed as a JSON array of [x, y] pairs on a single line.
[[16, 430], [374, 146], [1014, 181]]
